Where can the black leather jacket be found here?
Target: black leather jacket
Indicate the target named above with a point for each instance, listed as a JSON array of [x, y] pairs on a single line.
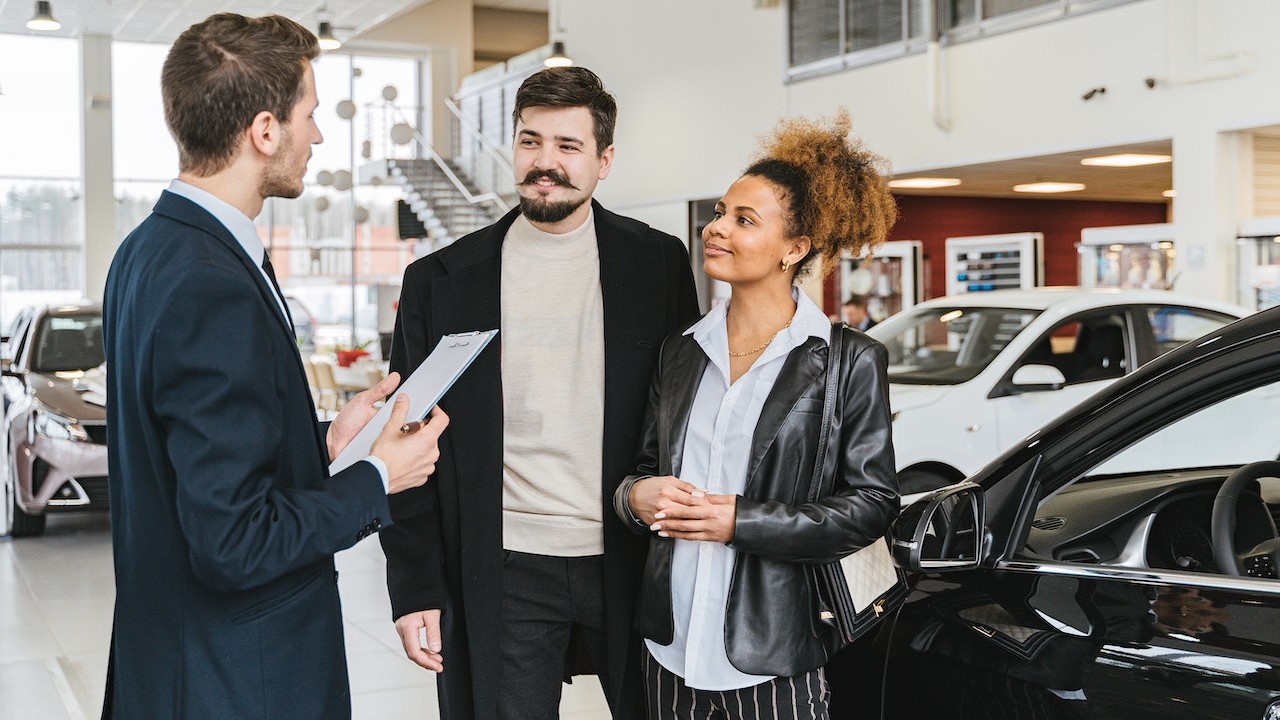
[[770, 623]]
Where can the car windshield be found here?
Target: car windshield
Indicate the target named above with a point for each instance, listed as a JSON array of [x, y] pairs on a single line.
[[947, 345], [69, 342]]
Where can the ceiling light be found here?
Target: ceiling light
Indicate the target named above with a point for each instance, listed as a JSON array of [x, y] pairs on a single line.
[[327, 40], [924, 183], [1048, 187], [43, 17], [1170, 193], [1127, 160], [558, 57]]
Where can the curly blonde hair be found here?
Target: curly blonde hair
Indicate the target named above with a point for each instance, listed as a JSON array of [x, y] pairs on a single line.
[[833, 186]]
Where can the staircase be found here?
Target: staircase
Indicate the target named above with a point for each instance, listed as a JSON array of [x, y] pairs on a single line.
[[449, 210]]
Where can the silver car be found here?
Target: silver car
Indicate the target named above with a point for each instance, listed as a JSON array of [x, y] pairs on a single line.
[[55, 434]]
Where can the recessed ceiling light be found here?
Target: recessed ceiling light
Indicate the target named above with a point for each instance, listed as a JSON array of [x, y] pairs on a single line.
[[1048, 187], [1127, 160], [924, 183], [1170, 193]]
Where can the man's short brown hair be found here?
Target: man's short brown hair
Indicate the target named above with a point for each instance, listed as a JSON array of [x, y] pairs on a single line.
[[570, 87], [222, 72]]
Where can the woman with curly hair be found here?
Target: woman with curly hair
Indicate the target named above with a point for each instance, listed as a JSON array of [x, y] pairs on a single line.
[[731, 436]]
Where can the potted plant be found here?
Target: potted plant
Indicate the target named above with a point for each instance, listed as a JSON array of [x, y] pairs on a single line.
[[346, 356]]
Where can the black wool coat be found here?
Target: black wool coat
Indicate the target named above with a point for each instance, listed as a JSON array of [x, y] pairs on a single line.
[[445, 549]]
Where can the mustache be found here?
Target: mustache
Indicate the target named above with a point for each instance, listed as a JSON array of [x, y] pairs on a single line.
[[536, 175]]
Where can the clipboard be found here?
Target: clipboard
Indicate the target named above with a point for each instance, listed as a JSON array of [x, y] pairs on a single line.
[[425, 386]]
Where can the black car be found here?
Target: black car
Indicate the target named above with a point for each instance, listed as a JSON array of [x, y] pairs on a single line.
[[1124, 563]]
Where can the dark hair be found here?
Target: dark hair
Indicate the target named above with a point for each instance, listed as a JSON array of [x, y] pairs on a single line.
[[831, 186], [573, 86], [856, 300], [223, 71]]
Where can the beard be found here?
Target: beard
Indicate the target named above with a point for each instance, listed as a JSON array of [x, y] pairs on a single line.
[[280, 178], [541, 210], [549, 211]]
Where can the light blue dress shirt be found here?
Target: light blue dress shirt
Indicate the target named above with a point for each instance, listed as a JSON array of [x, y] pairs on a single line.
[[717, 447]]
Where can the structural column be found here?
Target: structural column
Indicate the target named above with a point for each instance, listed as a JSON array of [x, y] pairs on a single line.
[[1211, 172], [97, 166]]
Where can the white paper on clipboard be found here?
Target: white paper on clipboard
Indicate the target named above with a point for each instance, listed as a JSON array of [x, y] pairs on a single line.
[[425, 386]]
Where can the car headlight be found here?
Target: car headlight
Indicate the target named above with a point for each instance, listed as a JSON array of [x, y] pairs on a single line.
[[56, 427]]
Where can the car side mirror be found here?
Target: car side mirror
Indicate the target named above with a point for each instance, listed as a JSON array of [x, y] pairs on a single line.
[[1037, 378], [944, 531]]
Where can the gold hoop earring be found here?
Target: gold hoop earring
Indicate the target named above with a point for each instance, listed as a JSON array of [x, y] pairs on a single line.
[[785, 266]]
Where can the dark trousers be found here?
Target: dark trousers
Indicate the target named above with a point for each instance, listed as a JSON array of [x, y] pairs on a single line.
[[547, 602], [802, 697]]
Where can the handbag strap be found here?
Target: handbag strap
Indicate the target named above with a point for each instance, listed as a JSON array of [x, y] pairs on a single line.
[[821, 463]]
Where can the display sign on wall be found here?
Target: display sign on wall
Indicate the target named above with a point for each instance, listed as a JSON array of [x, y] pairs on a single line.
[[1128, 256], [994, 262], [1259, 262], [890, 280]]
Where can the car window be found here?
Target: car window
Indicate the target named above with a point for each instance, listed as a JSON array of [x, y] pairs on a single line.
[[1238, 430], [69, 342], [1150, 504], [947, 346], [1085, 349], [1173, 326]]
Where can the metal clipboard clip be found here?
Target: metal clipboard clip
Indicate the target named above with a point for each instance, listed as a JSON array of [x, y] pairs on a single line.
[[463, 338]]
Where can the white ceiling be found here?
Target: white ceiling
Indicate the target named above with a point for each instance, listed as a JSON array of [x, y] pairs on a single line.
[[161, 21]]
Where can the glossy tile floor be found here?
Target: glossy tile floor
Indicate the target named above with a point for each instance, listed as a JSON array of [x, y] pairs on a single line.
[[56, 594]]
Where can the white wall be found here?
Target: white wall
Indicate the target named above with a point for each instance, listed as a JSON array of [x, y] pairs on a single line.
[[698, 82]]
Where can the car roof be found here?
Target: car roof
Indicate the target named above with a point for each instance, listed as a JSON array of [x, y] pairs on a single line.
[[1077, 298], [70, 308]]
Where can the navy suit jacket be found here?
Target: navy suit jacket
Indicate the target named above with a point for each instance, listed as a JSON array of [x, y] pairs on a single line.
[[224, 520]]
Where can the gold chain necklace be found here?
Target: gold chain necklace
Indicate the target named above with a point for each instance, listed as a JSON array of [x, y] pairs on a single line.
[[764, 345]]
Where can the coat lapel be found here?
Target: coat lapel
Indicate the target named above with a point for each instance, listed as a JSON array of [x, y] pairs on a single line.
[[803, 365], [466, 298], [681, 383]]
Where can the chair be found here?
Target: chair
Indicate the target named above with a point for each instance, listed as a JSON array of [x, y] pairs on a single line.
[[330, 399], [313, 383]]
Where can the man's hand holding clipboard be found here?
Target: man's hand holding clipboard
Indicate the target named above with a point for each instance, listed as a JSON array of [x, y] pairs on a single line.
[[408, 412], [409, 461]]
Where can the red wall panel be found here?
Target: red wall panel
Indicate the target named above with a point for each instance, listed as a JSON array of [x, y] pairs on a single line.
[[933, 219]]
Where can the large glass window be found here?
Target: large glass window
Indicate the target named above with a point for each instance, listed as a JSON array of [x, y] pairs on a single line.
[[143, 153], [41, 225], [335, 249], [861, 31]]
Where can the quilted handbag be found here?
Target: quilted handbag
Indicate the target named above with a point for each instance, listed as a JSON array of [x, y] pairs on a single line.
[[856, 592]]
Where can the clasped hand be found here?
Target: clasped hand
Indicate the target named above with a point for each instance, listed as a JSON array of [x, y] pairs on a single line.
[[674, 508]]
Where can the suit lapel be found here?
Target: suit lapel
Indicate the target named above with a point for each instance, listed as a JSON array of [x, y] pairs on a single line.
[[185, 211], [803, 365]]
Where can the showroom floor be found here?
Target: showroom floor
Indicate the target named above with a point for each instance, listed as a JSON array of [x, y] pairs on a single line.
[[56, 596]]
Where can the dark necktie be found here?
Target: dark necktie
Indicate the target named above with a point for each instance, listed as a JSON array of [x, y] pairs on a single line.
[[271, 275]]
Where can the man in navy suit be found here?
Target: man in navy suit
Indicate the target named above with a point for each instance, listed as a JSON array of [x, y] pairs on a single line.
[[224, 517]]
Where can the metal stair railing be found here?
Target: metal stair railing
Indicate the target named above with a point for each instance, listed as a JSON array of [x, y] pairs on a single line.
[[486, 162], [447, 205]]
